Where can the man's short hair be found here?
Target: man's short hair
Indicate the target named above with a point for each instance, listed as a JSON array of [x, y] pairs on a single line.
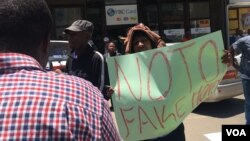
[[24, 24]]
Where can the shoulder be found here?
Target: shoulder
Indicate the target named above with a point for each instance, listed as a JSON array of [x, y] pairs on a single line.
[[77, 91], [105, 54], [245, 38], [242, 41], [98, 56], [98, 53], [118, 54]]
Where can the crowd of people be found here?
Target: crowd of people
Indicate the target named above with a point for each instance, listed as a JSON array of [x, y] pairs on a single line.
[[36, 104]]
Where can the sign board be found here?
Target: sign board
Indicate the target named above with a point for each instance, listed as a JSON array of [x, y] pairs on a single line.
[[156, 89], [121, 14], [202, 30], [203, 23], [170, 32]]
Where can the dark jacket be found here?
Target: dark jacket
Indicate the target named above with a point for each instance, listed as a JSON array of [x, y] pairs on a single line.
[[91, 66]]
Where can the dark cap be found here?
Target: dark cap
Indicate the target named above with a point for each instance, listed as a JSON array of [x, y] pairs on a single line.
[[80, 25]]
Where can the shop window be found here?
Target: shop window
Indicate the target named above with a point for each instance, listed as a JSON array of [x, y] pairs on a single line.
[[233, 21], [199, 10], [150, 17], [238, 19], [173, 21], [120, 1], [172, 15], [64, 17], [94, 14], [244, 19], [59, 33], [233, 24], [200, 19]]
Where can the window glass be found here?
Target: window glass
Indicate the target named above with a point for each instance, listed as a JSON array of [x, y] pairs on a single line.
[[244, 18], [239, 19], [172, 11], [232, 14], [94, 14], [150, 19], [64, 17], [200, 19], [199, 10], [173, 21], [172, 14], [59, 33]]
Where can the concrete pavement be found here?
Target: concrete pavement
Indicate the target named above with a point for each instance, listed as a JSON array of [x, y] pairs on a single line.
[[204, 123]]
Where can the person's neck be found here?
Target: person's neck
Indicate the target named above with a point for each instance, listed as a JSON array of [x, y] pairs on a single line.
[[81, 50], [112, 53]]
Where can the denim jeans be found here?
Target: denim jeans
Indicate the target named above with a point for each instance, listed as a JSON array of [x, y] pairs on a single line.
[[246, 89]]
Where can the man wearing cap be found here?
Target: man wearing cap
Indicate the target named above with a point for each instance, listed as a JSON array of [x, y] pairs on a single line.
[[85, 61]]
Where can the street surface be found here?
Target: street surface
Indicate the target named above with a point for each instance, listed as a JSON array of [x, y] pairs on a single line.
[[204, 123]]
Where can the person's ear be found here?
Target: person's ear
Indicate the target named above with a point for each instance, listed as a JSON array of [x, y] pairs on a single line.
[[89, 36], [45, 44], [41, 54]]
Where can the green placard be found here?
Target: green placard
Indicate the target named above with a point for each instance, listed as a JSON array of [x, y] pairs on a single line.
[[156, 89]]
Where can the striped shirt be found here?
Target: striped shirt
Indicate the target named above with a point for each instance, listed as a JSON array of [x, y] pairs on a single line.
[[40, 105]]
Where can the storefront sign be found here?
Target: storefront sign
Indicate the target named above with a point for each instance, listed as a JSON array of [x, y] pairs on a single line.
[[204, 23], [170, 32], [121, 14], [203, 30]]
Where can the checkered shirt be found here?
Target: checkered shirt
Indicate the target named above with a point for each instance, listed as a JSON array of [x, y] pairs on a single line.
[[40, 105]]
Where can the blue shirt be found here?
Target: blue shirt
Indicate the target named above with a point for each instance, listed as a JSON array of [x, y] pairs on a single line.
[[243, 46]]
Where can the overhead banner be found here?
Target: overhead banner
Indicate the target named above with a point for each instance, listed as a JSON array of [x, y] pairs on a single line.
[[121, 14], [156, 89]]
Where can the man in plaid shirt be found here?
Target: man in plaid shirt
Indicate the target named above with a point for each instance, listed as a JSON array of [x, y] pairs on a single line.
[[36, 104]]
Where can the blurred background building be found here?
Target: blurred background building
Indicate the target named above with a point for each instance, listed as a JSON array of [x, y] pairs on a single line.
[[169, 18]]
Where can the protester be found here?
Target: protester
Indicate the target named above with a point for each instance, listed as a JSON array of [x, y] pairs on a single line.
[[141, 38], [242, 46], [111, 50], [248, 32], [36, 104], [85, 61], [238, 34]]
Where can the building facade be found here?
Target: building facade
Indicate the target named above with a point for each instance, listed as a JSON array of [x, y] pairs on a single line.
[[169, 18]]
